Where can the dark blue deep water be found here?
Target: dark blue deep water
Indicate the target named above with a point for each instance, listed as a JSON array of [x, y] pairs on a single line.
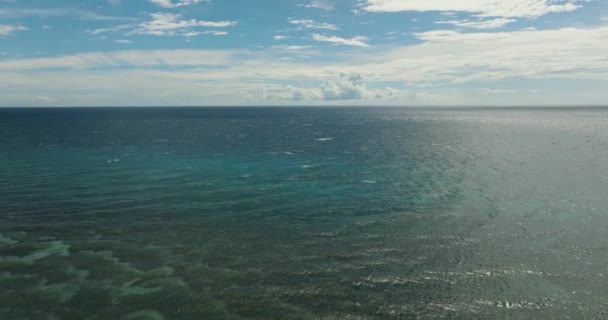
[[303, 213]]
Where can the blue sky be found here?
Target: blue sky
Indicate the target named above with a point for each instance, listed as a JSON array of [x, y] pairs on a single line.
[[303, 52]]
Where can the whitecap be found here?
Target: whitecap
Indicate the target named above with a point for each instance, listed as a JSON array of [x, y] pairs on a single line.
[[325, 139]]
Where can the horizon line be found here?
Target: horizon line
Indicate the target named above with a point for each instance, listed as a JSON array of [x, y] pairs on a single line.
[[312, 106]]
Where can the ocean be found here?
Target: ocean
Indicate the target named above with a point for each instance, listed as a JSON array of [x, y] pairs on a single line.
[[303, 213]]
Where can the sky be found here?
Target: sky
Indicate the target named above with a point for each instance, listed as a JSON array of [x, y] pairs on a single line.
[[303, 52]]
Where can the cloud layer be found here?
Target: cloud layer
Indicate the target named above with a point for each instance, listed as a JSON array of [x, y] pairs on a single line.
[[313, 52], [442, 57], [483, 8]]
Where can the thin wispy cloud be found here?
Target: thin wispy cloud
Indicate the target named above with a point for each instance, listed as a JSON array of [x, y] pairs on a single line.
[[169, 24], [483, 8], [479, 24], [168, 4], [311, 24], [356, 41], [7, 29], [208, 32], [321, 4]]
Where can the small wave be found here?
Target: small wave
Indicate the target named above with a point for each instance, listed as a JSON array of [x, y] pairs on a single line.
[[325, 139], [6, 240]]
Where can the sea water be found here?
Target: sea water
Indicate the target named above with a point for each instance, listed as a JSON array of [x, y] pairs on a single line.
[[303, 213]]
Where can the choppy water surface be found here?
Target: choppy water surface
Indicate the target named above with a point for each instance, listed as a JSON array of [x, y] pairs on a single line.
[[273, 213]]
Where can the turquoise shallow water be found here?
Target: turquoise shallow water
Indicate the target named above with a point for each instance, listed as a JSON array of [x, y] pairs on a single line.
[[295, 213]]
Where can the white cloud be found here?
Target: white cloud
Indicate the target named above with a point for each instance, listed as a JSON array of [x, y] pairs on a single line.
[[356, 41], [311, 24], [217, 24], [484, 8], [454, 57], [345, 87], [163, 3], [112, 29], [123, 41], [443, 56], [436, 71], [280, 37], [352, 87], [168, 4], [303, 94], [321, 4], [480, 24], [169, 24], [216, 33], [7, 29]]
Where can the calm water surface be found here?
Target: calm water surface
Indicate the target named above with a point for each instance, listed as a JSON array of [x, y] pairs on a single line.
[[283, 213]]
